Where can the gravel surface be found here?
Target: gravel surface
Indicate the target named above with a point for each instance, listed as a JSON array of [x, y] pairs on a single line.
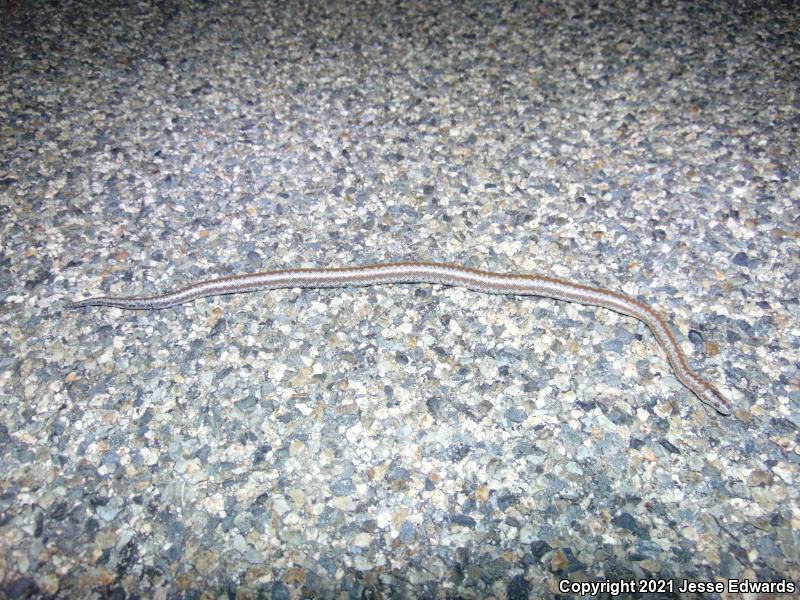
[[397, 441]]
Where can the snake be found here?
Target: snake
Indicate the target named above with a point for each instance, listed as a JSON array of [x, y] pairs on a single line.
[[488, 282]]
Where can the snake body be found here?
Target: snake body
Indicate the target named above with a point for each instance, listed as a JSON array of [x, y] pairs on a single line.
[[487, 282]]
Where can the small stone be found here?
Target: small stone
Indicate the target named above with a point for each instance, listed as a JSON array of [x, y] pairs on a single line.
[[482, 493], [539, 548], [740, 259], [463, 520], [516, 415], [294, 576], [558, 561]]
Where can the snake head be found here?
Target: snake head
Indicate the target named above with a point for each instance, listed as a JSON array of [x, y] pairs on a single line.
[[714, 398]]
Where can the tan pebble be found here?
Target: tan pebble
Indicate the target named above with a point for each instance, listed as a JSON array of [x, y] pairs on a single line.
[[482, 493], [759, 477], [49, 583], [744, 415], [558, 561], [105, 577], [183, 581], [295, 575], [651, 565]]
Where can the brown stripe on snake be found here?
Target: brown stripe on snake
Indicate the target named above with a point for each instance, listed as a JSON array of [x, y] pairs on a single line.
[[442, 274]]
